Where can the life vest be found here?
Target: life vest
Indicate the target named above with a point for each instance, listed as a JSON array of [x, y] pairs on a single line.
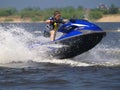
[[55, 25]]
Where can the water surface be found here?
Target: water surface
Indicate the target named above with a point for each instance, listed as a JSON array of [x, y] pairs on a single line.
[[26, 69]]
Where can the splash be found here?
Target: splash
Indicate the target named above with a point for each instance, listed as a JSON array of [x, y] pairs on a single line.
[[66, 62], [14, 44]]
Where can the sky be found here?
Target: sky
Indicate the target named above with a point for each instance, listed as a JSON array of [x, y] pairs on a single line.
[[43, 4]]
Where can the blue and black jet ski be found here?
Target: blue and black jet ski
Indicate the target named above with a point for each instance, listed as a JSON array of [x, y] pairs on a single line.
[[78, 37]]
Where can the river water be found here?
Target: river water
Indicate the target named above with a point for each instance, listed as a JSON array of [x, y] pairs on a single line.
[[24, 69]]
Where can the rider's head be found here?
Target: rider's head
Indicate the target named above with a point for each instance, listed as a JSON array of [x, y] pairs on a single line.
[[57, 15]]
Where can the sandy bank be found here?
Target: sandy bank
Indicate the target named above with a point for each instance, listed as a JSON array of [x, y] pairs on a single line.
[[17, 19], [109, 18]]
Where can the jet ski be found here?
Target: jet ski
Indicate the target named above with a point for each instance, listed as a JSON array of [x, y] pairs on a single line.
[[78, 37]]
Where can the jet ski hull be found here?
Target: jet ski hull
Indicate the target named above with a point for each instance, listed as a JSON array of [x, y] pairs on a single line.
[[76, 45]]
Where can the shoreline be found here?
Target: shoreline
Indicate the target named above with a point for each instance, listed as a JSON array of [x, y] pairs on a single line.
[[10, 19], [109, 18], [23, 22]]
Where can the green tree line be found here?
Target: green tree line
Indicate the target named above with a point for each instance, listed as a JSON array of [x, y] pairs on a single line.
[[36, 14]]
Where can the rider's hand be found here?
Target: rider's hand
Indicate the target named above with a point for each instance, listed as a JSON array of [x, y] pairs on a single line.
[[51, 21]]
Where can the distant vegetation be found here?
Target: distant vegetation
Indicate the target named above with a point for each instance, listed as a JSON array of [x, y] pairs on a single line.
[[36, 14]]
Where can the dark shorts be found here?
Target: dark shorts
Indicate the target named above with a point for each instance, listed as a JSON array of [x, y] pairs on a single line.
[[49, 28]]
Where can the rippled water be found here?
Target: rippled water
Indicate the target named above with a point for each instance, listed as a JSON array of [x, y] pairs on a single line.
[[26, 69]]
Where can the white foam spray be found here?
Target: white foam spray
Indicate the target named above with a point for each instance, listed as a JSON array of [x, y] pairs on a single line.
[[14, 44]]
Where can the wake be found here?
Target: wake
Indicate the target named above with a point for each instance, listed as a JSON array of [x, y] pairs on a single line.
[[14, 47]]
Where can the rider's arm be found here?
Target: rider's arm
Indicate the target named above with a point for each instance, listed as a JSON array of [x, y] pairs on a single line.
[[49, 21]]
